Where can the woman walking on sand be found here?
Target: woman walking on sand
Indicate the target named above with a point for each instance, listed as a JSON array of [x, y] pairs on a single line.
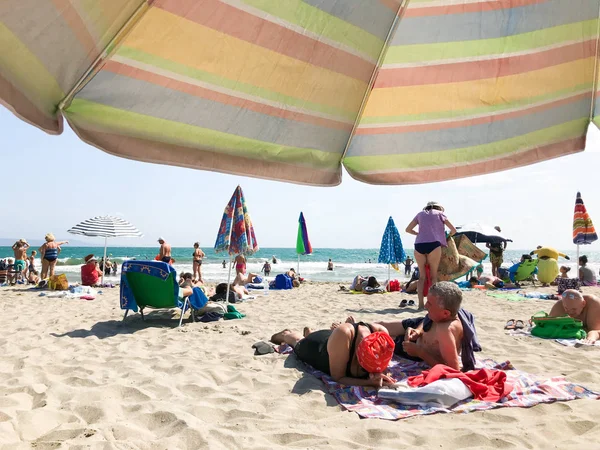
[[431, 237]]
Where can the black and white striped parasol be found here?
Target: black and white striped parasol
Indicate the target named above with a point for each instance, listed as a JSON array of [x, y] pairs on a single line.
[[106, 227]]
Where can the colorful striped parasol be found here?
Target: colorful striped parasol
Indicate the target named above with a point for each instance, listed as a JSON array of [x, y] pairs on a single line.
[[583, 228], [292, 90], [236, 233], [303, 246]]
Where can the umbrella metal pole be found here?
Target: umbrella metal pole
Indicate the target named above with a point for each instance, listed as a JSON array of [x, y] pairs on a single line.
[[228, 279], [104, 263], [577, 262], [298, 264], [389, 268]]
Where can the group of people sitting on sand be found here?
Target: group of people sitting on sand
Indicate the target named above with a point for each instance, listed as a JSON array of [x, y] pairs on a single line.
[[218, 293], [243, 279], [358, 353]]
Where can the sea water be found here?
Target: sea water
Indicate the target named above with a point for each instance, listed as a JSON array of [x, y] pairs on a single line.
[[347, 262]]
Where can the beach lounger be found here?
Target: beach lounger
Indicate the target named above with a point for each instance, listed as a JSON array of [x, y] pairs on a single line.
[[153, 284]]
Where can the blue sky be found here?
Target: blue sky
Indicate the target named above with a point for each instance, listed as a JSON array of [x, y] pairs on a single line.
[[54, 182]]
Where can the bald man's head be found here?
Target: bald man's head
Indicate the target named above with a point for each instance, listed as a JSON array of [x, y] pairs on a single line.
[[573, 302]]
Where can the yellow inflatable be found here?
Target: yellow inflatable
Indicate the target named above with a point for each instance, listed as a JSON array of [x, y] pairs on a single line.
[[547, 263]]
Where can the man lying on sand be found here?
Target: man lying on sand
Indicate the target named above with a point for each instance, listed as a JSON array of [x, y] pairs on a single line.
[[355, 354], [581, 307], [446, 332]]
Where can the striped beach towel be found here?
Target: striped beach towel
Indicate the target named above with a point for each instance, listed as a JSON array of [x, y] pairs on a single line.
[[529, 390]]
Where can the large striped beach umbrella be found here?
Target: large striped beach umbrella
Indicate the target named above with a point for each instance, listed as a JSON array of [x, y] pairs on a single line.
[[303, 246], [396, 91], [106, 227], [583, 228], [391, 251], [236, 232]]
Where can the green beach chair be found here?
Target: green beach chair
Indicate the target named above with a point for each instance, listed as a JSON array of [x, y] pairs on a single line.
[[153, 284], [524, 271]]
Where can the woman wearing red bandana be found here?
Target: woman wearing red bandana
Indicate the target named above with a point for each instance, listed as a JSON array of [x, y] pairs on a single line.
[[354, 354]]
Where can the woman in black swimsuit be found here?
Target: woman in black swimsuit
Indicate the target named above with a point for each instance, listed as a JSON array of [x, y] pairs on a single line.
[[198, 255], [327, 351]]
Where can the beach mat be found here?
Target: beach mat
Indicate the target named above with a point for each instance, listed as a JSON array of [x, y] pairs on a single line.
[[506, 296], [565, 342], [529, 390]]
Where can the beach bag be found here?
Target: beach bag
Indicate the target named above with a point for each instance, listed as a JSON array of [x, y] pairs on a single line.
[[282, 281], [567, 283], [58, 282], [557, 327], [394, 286]]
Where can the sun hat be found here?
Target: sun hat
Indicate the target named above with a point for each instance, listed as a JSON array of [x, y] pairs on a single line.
[[434, 205], [49, 237], [23, 241], [89, 258], [375, 352], [160, 239]]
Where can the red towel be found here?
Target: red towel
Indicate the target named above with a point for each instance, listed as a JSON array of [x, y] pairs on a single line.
[[427, 280], [485, 384]]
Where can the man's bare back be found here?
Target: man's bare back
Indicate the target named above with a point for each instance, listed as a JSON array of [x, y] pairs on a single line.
[[581, 307], [164, 254], [20, 252]]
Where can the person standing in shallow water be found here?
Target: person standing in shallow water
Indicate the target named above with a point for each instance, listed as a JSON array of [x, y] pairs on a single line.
[[198, 256], [431, 237], [330, 264], [408, 265], [266, 268]]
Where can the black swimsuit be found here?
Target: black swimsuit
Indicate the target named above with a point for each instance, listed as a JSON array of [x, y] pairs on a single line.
[[313, 350]]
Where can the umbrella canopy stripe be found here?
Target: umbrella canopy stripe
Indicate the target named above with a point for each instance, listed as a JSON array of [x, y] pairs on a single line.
[[364, 84], [105, 226], [303, 246], [583, 227]]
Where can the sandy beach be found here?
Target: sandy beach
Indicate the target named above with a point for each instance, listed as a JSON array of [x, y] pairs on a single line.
[[74, 376]]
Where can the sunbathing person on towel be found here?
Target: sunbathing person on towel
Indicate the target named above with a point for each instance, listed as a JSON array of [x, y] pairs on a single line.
[[354, 354], [446, 335], [581, 307], [241, 279]]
